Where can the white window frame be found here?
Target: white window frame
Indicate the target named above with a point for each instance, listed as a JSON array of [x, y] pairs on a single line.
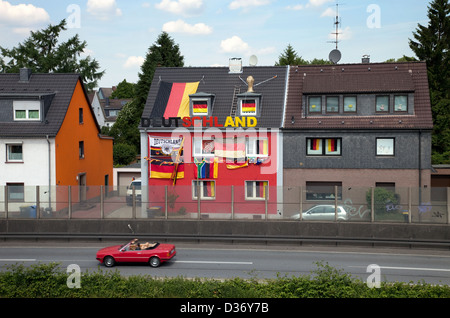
[[27, 106], [195, 144], [8, 152], [256, 100], [251, 144], [381, 143], [202, 186], [207, 100], [253, 197]]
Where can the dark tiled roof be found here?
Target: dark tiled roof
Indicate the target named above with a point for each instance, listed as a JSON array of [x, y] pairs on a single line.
[[359, 78], [218, 81], [60, 86]]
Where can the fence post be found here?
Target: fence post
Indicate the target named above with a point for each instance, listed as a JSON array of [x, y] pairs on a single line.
[[165, 202], [266, 199], [69, 194], [448, 205], [372, 205], [6, 201], [301, 203], [335, 203], [101, 203], [409, 204], [232, 202], [133, 202], [198, 200], [38, 204]]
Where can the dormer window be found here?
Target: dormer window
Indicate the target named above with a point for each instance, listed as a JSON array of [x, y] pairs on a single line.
[[27, 110], [249, 104], [201, 104]]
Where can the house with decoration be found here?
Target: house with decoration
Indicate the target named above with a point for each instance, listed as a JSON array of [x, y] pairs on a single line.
[[211, 140], [49, 138], [353, 126]]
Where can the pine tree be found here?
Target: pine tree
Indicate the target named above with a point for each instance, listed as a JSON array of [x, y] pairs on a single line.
[[290, 57], [42, 53], [432, 44]]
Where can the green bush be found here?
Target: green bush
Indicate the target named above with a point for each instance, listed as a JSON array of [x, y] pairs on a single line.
[[50, 281]]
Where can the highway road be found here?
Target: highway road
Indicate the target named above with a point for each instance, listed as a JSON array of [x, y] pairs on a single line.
[[247, 261]]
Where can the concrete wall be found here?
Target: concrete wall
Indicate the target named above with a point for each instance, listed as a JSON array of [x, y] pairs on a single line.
[[199, 229]]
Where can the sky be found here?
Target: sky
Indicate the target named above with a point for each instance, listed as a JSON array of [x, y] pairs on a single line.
[[210, 32]]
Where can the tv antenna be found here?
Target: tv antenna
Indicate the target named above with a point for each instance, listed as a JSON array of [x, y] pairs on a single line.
[[335, 55]]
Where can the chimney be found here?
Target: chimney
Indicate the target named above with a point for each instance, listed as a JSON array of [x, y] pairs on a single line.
[[25, 74], [365, 59]]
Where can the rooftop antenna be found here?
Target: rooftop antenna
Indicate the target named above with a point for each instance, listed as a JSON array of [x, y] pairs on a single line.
[[335, 55]]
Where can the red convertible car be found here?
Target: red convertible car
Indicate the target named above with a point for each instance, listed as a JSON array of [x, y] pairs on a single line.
[[152, 253]]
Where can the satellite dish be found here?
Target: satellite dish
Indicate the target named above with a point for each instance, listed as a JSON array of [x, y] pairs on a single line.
[[335, 56], [253, 60]]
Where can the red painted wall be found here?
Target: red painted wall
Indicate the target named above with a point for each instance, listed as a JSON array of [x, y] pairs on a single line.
[[226, 178]]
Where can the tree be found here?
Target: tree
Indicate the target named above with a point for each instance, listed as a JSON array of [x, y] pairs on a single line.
[[42, 53], [289, 57], [163, 53], [123, 154], [432, 44], [124, 90]]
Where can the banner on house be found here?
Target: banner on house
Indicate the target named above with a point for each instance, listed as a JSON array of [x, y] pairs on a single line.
[[172, 99], [166, 157], [207, 168]]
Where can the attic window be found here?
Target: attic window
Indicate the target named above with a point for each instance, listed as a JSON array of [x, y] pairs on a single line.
[[200, 104], [27, 110], [249, 104]]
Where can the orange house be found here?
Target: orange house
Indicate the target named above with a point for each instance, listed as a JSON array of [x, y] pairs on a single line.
[[83, 156], [50, 138]]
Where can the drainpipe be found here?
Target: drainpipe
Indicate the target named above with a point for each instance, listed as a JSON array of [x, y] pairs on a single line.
[[49, 175]]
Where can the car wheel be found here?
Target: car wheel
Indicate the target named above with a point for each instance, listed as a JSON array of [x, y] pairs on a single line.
[[154, 261], [109, 261]]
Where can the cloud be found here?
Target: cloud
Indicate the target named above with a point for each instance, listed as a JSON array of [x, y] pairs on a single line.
[[181, 7], [296, 7], [236, 45], [246, 4], [328, 13], [22, 15], [103, 9], [344, 34], [134, 61], [180, 26], [318, 3]]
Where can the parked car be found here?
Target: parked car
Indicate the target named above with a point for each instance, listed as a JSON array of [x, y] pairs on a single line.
[[137, 192], [323, 212], [132, 252]]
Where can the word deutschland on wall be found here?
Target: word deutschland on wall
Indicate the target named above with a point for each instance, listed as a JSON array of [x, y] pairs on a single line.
[[199, 122]]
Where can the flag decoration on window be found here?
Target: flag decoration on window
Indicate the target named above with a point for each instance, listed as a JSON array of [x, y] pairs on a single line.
[[200, 107], [207, 168], [248, 106], [172, 99], [230, 150], [166, 158], [331, 145], [315, 144], [261, 189]]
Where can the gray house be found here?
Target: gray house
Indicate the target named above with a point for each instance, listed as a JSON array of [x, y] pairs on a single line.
[[357, 125]]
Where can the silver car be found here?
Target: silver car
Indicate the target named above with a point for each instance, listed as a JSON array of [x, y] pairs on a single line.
[[323, 212]]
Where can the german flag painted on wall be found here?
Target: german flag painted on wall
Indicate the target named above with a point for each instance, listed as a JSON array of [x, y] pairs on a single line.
[[172, 99]]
